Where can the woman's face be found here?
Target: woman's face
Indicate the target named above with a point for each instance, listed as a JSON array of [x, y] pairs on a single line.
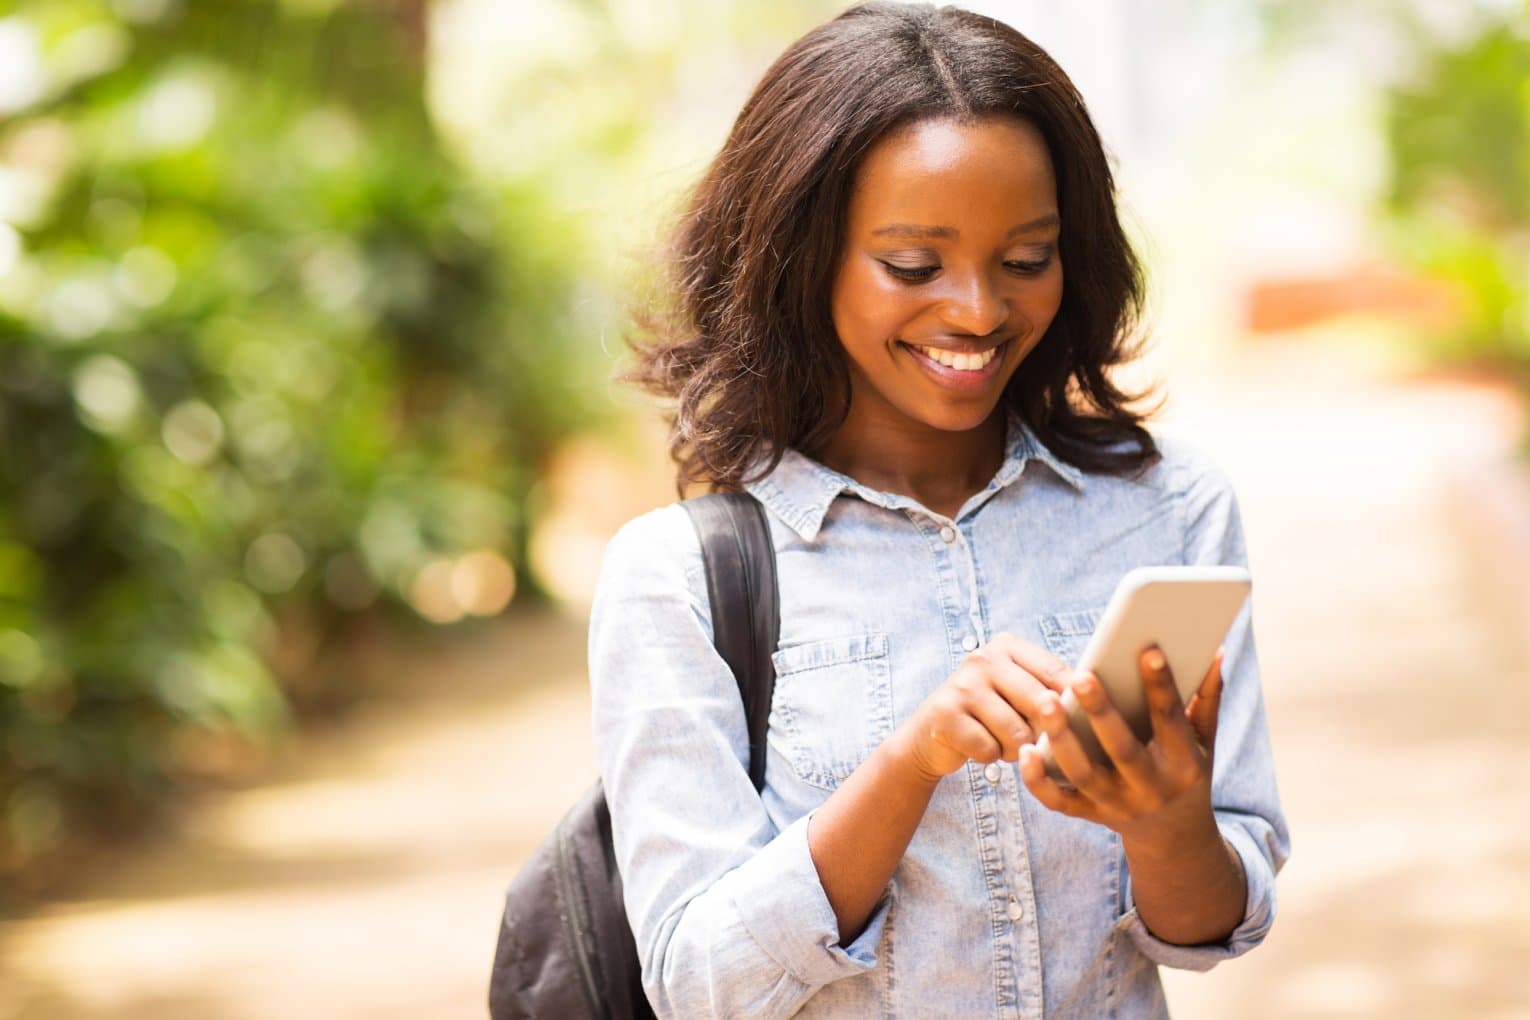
[[950, 272]]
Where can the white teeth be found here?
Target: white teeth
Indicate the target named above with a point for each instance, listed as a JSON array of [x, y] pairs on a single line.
[[960, 362]]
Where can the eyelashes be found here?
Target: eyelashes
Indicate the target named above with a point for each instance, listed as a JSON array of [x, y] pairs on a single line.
[[922, 274], [916, 274]]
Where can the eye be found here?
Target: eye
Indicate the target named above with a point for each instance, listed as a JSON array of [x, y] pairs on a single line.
[[1028, 268], [921, 274], [910, 274]]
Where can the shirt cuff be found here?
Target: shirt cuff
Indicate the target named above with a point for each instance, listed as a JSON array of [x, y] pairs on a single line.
[[1258, 915], [780, 899]]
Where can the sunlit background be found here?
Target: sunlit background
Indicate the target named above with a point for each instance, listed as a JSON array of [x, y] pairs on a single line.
[[309, 451]]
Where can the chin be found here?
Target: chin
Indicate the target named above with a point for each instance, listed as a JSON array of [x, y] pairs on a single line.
[[958, 419]]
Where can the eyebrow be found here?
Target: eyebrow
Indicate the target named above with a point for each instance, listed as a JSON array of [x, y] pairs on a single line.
[[917, 231]]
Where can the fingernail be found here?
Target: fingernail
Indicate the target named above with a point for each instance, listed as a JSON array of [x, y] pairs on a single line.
[[1155, 660], [1085, 685]]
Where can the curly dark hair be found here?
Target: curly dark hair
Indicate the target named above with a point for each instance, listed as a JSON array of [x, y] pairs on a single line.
[[747, 347]]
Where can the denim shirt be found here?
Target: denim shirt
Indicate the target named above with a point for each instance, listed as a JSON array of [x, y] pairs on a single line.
[[1000, 906]]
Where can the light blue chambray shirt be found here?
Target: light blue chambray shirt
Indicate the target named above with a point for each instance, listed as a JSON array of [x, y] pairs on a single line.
[[1000, 906]]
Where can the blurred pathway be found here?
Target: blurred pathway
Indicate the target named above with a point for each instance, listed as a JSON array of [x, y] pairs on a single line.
[[364, 882], [1398, 689]]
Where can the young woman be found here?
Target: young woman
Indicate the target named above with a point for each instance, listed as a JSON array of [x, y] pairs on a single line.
[[899, 288]]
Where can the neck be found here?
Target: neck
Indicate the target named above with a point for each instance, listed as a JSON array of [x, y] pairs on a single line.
[[939, 469]]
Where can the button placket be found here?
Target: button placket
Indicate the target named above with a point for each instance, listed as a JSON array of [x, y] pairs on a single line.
[[1022, 892], [952, 594], [974, 602], [948, 536]]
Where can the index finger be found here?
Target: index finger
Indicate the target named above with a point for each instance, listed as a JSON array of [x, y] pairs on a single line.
[[1015, 684], [1052, 671]]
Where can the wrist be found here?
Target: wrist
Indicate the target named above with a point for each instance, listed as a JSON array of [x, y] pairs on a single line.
[[901, 756], [1187, 839], [1191, 892]]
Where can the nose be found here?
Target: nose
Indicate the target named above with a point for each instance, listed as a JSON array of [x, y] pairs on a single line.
[[973, 304]]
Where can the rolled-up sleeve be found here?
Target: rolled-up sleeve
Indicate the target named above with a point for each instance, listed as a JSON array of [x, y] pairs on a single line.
[[729, 915], [1244, 796]]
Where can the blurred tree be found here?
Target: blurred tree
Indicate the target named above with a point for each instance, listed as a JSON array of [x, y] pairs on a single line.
[[1458, 133], [269, 360]]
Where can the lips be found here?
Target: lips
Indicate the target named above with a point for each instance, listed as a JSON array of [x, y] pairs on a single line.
[[960, 380], [954, 347]]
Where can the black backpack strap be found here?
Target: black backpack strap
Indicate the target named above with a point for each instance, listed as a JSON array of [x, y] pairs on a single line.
[[740, 562]]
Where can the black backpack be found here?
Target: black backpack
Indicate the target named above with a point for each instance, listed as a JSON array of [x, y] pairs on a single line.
[[565, 948]]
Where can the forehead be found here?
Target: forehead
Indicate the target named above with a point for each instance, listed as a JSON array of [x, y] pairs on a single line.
[[944, 172]]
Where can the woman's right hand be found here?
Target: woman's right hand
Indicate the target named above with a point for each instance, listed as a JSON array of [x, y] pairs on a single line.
[[985, 710]]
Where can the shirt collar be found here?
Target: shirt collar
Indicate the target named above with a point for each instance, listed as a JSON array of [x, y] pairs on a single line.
[[800, 489]]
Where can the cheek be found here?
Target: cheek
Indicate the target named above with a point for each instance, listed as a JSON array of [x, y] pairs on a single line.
[[1042, 300], [868, 307]]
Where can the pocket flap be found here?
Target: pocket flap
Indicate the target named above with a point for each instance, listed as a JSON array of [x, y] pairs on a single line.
[[1075, 623], [833, 651]]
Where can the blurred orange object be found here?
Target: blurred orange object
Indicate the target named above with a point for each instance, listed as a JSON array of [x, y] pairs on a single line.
[[1276, 305]]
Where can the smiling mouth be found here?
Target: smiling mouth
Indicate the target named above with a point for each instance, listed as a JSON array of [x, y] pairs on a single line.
[[959, 362]]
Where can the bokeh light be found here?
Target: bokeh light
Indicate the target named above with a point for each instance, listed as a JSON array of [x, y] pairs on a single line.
[[483, 582], [432, 594]]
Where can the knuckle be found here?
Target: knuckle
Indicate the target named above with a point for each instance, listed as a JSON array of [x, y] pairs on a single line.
[[1005, 639], [976, 666], [946, 702], [1057, 671], [1014, 645], [1187, 774], [963, 702], [964, 679], [1130, 753]]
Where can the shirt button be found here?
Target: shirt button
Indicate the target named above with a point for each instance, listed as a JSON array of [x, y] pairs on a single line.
[[993, 772], [947, 535], [969, 643], [1015, 910]]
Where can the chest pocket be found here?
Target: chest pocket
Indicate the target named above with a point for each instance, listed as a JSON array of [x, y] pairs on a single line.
[[1066, 634], [832, 705]]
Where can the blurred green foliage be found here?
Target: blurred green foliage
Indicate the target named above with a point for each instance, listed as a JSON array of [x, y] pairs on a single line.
[[1459, 138], [266, 351]]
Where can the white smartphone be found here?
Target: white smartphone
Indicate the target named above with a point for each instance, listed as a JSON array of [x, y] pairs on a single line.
[[1186, 611]]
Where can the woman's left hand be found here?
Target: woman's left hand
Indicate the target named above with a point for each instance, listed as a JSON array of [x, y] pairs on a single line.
[[1159, 792]]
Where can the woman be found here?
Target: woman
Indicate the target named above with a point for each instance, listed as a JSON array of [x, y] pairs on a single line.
[[899, 288]]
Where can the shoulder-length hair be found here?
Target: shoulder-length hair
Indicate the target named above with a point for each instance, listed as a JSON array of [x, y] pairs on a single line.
[[746, 347]]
